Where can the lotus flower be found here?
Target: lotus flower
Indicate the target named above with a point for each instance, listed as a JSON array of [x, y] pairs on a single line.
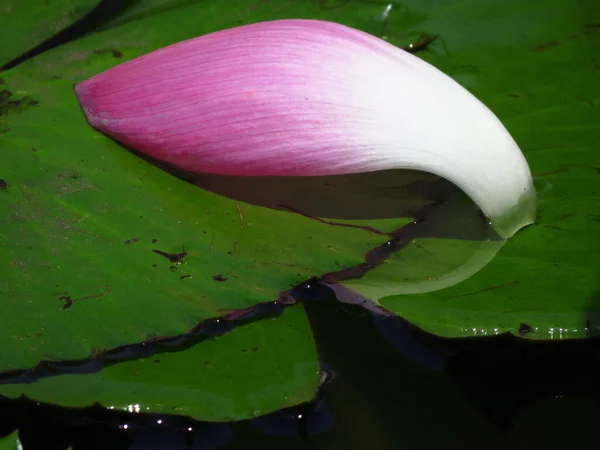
[[309, 98]]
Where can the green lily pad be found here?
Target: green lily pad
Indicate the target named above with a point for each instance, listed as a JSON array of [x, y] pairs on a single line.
[[91, 225], [27, 23], [10, 442], [137, 254], [537, 71], [83, 213], [145, 8], [215, 380]]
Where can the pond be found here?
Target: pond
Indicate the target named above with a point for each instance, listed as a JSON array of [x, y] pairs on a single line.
[[144, 306]]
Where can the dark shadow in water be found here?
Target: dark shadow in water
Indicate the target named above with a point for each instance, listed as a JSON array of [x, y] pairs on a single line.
[[507, 374], [500, 375], [304, 420]]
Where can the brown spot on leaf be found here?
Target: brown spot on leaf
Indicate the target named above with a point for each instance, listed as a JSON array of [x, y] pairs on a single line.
[[510, 283], [131, 241], [524, 329], [95, 353], [113, 52], [3, 185], [554, 172], [219, 277], [173, 257], [554, 227], [8, 102], [68, 302], [421, 44], [543, 47]]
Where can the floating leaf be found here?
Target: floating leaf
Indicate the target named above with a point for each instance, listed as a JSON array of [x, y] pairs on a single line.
[[536, 71], [26, 23], [10, 442], [253, 370]]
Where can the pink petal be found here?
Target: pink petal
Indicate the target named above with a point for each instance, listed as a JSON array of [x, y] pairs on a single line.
[[292, 97], [306, 97]]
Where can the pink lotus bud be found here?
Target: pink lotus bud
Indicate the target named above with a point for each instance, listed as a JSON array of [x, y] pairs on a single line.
[[306, 97]]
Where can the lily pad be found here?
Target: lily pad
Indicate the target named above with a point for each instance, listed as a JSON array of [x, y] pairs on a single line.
[[26, 23], [10, 442], [95, 237], [103, 249], [214, 380], [133, 251], [535, 65], [84, 215]]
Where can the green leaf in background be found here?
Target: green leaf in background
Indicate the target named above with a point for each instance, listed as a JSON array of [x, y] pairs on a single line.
[[10, 442], [215, 380], [27, 23]]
